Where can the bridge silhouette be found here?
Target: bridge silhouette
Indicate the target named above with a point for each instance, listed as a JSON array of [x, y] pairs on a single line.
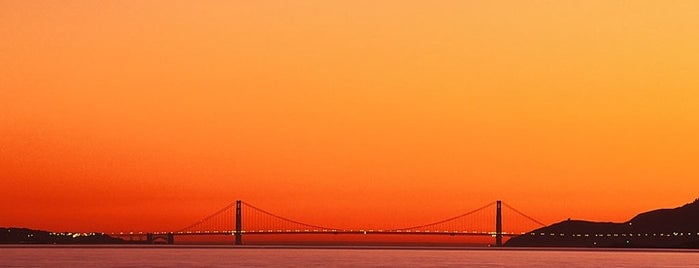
[[240, 219]]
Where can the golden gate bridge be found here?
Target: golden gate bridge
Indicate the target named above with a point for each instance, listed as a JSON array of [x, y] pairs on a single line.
[[240, 219]]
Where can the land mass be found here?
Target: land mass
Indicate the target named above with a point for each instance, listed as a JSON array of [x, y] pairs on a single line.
[[662, 228], [29, 236]]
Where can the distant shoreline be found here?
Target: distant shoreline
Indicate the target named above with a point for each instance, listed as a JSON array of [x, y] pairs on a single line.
[[313, 247], [669, 228]]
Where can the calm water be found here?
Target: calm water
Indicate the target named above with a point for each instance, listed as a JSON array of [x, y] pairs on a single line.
[[193, 256]]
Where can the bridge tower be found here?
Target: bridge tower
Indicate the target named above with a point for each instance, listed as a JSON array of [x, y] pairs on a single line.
[[238, 223], [498, 223]]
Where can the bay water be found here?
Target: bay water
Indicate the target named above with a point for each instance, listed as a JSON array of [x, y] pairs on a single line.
[[268, 256]]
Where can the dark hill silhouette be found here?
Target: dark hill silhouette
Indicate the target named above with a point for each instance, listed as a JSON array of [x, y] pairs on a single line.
[[662, 228], [29, 236]]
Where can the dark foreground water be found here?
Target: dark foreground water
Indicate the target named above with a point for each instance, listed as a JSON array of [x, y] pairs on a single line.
[[197, 256]]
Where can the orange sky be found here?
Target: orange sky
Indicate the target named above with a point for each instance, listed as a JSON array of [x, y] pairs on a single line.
[[148, 115]]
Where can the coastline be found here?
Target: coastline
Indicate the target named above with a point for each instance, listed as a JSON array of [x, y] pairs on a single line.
[[313, 247]]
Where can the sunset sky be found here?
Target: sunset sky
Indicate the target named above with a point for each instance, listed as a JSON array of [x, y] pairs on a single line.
[[148, 115]]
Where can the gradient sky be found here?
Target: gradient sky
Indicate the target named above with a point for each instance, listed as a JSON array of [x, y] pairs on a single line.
[[148, 115]]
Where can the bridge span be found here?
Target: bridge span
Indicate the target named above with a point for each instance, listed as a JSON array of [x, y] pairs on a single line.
[[240, 218]]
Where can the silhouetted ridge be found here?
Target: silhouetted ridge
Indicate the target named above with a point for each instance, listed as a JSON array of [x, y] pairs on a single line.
[[666, 228], [29, 236], [679, 218]]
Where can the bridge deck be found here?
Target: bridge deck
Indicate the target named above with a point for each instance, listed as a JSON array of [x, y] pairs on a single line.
[[326, 232]]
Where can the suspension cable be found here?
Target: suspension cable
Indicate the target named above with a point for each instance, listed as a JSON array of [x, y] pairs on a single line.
[[209, 217], [520, 213], [287, 219], [446, 220]]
